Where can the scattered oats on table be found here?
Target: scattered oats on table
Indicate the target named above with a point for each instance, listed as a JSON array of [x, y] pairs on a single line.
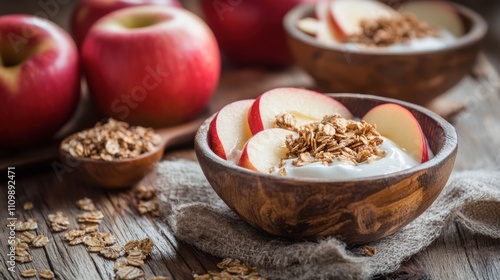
[[40, 241], [46, 274], [26, 237], [112, 252], [28, 273], [231, 269], [145, 193], [112, 140], [86, 204], [60, 222], [128, 273], [28, 205], [29, 224], [94, 217], [150, 206], [159, 278]]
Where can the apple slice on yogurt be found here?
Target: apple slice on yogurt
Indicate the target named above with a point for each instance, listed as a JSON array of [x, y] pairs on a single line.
[[305, 105], [400, 126], [324, 32], [347, 15], [229, 130], [436, 13], [265, 150]]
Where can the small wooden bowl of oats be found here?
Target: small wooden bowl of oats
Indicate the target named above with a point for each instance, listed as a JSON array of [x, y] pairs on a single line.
[[114, 154], [415, 75], [355, 211]]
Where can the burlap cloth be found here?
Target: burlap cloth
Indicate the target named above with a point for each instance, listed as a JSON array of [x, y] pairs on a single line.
[[199, 217]]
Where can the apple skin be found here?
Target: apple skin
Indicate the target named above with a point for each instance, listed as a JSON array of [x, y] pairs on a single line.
[[229, 129], [265, 149], [251, 32], [39, 84], [151, 65], [294, 100], [399, 125], [87, 12]]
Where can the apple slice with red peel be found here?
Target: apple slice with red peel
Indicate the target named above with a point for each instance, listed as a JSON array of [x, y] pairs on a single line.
[[399, 125], [307, 106], [265, 149], [229, 129], [436, 13], [325, 32], [308, 25], [347, 15]]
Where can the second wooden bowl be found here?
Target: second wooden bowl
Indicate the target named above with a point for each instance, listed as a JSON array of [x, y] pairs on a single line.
[[413, 76], [355, 211]]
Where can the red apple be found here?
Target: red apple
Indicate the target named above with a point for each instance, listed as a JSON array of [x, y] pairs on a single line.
[[399, 125], [151, 65], [265, 149], [39, 79], [229, 129], [307, 106], [436, 13], [251, 31], [347, 15], [87, 12]]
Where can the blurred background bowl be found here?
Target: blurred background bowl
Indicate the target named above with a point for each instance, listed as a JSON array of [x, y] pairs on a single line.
[[357, 210], [413, 76]]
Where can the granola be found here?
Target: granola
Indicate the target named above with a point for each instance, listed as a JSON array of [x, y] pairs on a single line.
[[369, 251], [28, 205], [334, 138], [40, 241], [383, 32], [86, 204], [28, 273], [128, 272], [29, 224], [59, 221], [231, 269], [46, 274], [112, 140]]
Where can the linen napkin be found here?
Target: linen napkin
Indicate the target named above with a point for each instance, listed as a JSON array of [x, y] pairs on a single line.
[[199, 217]]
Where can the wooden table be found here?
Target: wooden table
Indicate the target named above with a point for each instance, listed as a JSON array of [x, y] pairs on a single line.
[[457, 254]]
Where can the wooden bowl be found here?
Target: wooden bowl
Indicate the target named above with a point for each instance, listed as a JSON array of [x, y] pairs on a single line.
[[356, 210], [413, 76]]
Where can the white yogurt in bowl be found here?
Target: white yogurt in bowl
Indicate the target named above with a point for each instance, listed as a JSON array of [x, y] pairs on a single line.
[[415, 44], [395, 160]]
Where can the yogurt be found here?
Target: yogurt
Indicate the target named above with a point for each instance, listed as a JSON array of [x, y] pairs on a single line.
[[395, 160], [416, 44]]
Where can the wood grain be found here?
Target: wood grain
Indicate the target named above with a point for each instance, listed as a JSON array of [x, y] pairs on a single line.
[[457, 254]]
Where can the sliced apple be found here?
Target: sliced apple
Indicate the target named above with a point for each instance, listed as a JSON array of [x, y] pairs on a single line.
[[436, 13], [325, 32], [399, 125], [308, 25], [347, 15], [229, 129], [265, 149], [307, 106]]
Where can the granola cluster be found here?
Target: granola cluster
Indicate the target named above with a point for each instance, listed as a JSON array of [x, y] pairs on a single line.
[[112, 140], [383, 32], [231, 269], [332, 138]]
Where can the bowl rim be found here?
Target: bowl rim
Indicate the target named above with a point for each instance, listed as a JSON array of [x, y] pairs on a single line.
[[476, 33], [450, 145]]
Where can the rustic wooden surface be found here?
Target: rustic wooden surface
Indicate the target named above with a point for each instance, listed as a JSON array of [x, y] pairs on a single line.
[[457, 254]]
